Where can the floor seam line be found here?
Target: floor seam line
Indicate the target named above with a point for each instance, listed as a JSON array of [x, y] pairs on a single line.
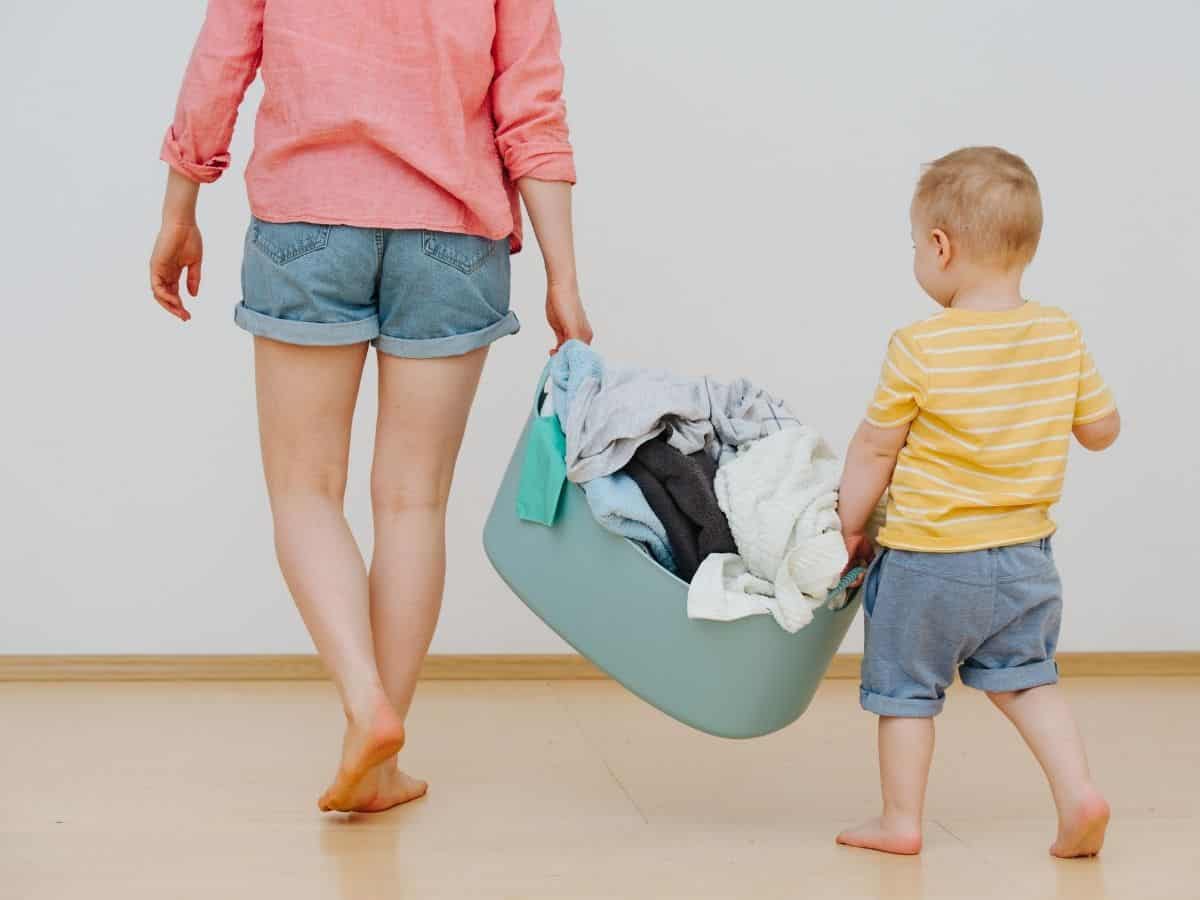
[[942, 826], [611, 774]]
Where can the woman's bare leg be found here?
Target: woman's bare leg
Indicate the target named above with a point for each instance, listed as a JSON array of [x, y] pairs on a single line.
[[306, 398], [423, 409]]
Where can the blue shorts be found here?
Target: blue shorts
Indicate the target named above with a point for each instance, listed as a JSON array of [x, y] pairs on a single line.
[[992, 615], [412, 293]]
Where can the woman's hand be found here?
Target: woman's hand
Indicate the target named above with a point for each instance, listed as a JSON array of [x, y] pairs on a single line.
[[566, 315], [549, 206], [178, 247]]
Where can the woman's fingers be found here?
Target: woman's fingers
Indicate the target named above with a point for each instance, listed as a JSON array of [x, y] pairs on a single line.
[[177, 247], [193, 278], [166, 292]]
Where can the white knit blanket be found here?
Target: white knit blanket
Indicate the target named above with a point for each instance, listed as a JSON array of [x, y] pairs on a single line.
[[780, 496]]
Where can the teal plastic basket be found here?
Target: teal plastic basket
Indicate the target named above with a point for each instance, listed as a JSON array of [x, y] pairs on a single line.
[[628, 615]]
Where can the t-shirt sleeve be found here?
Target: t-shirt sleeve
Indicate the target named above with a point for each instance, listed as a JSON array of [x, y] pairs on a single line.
[[901, 390], [1093, 399]]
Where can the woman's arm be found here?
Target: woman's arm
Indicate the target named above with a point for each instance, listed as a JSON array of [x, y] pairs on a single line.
[[549, 206], [534, 144], [196, 146], [178, 247], [223, 63]]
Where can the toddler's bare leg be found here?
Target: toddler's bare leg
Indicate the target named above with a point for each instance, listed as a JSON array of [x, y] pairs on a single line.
[[306, 398], [1044, 720], [905, 752]]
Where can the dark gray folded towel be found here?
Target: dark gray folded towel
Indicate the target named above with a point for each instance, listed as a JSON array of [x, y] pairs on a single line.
[[679, 489]]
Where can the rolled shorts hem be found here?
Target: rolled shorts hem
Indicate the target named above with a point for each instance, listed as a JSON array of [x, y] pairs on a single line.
[[312, 334], [454, 345], [905, 708], [1016, 678]]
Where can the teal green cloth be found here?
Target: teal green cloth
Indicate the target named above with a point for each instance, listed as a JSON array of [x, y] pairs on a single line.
[[543, 471]]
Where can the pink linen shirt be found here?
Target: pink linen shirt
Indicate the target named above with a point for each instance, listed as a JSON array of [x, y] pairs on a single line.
[[380, 113]]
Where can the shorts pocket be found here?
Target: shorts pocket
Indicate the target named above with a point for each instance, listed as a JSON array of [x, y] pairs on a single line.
[[870, 586], [465, 252], [283, 242], [971, 567]]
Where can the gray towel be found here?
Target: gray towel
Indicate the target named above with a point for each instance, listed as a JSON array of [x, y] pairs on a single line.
[[607, 412], [679, 489]]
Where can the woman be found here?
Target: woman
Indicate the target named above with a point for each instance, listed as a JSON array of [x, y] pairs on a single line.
[[392, 139]]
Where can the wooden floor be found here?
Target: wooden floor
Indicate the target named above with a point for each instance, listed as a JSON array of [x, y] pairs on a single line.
[[566, 789]]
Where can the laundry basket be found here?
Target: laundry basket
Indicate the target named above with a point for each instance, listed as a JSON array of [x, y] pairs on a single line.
[[628, 615]]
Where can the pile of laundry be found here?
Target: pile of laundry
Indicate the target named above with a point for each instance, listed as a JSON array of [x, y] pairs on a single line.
[[720, 483]]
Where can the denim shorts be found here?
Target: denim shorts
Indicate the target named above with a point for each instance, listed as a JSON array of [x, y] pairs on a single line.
[[992, 615], [412, 293]]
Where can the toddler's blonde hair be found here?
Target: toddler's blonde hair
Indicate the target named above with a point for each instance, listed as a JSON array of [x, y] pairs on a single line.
[[987, 201]]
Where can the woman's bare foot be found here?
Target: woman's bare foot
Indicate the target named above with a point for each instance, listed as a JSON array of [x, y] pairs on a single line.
[[383, 788], [1081, 827], [367, 743], [884, 835]]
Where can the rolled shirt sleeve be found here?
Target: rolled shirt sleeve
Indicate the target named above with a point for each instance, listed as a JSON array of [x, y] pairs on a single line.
[[223, 64], [527, 101], [901, 390]]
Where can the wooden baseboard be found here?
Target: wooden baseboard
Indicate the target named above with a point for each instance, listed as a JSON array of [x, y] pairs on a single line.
[[471, 667]]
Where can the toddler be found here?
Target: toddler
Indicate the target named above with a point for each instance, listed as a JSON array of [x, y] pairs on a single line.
[[971, 424]]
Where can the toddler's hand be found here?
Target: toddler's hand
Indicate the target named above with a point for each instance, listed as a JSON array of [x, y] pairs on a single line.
[[178, 247], [566, 315], [860, 551]]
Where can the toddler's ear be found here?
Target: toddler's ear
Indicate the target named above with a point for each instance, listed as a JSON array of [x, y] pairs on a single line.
[[941, 241]]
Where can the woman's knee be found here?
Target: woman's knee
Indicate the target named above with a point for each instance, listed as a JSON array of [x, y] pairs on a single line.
[[289, 484], [399, 495]]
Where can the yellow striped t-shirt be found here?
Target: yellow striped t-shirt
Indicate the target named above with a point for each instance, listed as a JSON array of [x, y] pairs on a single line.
[[992, 398]]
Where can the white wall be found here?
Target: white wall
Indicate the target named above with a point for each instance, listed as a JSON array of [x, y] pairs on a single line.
[[745, 174]]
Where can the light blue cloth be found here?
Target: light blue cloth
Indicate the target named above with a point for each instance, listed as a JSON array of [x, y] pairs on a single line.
[[619, 505], [574, 362], [615, 500]]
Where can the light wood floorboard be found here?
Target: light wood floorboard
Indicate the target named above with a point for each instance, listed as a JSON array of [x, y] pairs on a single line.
[[467, 667], [564, 789]]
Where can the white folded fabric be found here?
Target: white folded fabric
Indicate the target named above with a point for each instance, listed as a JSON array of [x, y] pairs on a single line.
[[780, 496]]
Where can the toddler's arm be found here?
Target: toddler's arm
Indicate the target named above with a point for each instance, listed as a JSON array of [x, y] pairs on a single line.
[[1099, 435], [1096, 423], [870, 460], [876, 445]]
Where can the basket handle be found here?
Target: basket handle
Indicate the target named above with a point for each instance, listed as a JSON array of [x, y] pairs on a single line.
[[541, 387]]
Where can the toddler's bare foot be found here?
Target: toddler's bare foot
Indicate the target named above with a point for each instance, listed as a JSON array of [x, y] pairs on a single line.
[[885, 835], [367, 743], [1081, 827]]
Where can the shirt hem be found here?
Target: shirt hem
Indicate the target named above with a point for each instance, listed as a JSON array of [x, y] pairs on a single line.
[[328, 218], [1011, 541]]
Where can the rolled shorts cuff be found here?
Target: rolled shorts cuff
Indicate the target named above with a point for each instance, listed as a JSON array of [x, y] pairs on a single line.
[[905, 708], [455, 345], [1016, 678], [313, 334]]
